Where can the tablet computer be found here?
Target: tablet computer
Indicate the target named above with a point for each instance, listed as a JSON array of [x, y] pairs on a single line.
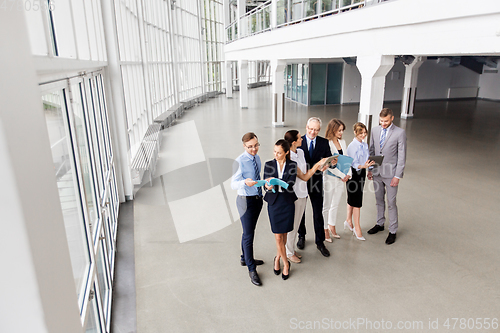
[[329, 160], [377, 158]]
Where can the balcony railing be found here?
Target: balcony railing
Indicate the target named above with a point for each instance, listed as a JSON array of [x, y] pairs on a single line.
[[294, 11], [232, 32], [289, 12], [257, 20]]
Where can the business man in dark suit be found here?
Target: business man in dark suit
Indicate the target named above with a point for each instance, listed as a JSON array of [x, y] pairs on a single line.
[[315, 148], [390, 141]]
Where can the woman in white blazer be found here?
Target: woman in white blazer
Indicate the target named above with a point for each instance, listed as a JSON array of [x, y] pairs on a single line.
[[333, 179]]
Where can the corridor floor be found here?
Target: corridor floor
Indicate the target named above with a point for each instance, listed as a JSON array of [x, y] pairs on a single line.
[[445, 263]]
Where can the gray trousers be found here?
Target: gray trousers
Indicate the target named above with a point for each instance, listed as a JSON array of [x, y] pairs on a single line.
[[381, 187]]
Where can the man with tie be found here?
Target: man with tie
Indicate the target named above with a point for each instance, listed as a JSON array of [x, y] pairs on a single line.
[[390, 141], [315, 148], [249, 200]]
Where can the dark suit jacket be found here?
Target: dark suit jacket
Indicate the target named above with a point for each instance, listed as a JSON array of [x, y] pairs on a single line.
[[289, 176], [321, 150]]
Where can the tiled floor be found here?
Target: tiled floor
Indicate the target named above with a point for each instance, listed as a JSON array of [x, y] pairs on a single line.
[[444, 264]]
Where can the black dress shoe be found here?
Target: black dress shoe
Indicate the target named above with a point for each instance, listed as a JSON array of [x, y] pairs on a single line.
[[301, 243], [391, 238], [276, 271], [258, 262], [376, 229], [324, 251], [254, 277], [283, 276]]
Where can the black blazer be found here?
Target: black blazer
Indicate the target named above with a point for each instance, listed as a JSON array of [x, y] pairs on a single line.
[[289, 176], [321, 150]]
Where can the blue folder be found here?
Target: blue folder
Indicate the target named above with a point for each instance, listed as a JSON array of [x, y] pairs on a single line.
[[273, 181], [343, 164]]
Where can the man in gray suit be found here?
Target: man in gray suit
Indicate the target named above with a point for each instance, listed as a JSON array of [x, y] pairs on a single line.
[[390, 141]]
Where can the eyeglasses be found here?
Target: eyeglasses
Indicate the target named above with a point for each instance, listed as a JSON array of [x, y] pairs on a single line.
[[312, 129], [252, 147]]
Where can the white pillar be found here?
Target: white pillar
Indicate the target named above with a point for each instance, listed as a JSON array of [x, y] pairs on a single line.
[[410, 87], [229, 80], [38, 287], [373, 69], [274, 14], [117, 106], [243, 71], [241, 5], [278, 107]]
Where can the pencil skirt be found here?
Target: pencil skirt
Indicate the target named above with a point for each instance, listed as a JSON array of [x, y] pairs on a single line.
[[281, 215], [355, 187]]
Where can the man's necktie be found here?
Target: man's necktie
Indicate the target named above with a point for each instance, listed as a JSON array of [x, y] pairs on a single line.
[[257, 174], [382, 138], [311, 149]]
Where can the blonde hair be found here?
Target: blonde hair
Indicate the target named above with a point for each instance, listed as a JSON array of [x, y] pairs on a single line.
[[358, 128]]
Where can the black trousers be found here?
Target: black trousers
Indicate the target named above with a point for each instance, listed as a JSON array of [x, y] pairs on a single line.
[[318, 221], [249, 209]]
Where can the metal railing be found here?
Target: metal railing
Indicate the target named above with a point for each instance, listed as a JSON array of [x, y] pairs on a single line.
[[232, 32], [289, 12], [294, 11], [257, 20]]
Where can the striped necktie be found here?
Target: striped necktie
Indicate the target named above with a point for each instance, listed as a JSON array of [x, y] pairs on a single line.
[[257, 174], [382, 138]]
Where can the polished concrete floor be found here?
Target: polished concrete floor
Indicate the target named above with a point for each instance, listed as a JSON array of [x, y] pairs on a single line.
[[444, 264]]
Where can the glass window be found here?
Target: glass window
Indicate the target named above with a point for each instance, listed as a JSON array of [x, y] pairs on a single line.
[[82, 141], [294, 82], [318, 84], [103, 277], [299, 83], [69, 194], [93, 321], [305, 81]]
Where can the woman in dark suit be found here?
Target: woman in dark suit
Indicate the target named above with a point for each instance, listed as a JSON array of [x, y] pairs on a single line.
[[280, 204]]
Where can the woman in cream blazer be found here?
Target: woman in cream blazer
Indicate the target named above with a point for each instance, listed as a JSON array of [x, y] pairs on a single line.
[[334, 179]]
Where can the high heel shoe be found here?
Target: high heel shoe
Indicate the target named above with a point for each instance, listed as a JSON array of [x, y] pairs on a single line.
[[327, 236], [346, 225], [276, 272], [334, 235], [359, 238], [283, 276]]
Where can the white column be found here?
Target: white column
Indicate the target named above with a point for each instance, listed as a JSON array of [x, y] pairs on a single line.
[[241, 4], [229, 80], [38, 288], [145, 62], [243, 71], [410, 87], [278, 106], [373, 69], [227, 17], [117, 106], [274, 14]]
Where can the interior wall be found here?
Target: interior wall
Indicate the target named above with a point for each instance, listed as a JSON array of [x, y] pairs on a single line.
[[489, 86], [435, 78], [394, 82], [351, 87]]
